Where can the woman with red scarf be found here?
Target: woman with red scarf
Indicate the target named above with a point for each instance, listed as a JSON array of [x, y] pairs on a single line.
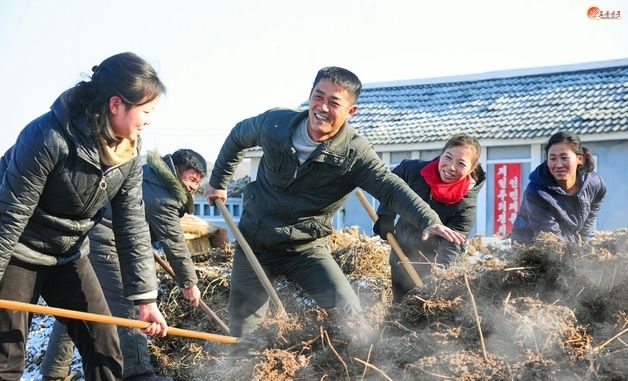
[[450, 185]]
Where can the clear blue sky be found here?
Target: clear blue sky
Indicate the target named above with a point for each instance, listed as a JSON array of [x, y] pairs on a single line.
[[223, 61]]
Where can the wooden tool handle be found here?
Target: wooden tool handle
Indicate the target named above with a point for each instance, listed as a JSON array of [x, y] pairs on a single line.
[[202, 304], [392, 240], [129, 323], [250, 256]]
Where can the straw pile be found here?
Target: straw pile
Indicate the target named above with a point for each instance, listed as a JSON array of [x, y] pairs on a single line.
[[200, 235], [547, 311]]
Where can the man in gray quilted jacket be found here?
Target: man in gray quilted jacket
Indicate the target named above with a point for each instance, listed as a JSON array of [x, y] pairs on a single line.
[[167, 187]]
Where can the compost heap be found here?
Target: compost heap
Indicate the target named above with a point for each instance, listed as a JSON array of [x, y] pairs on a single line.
[[551, 311]]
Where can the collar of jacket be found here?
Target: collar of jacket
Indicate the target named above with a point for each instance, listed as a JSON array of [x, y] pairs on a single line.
[[336, 147], [543, 178], [76, 130], [164, 168]]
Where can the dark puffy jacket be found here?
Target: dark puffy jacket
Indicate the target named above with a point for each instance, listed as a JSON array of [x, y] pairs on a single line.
[[54, 191], [547, 208], [290, 205], [459, 216], [166, 202]]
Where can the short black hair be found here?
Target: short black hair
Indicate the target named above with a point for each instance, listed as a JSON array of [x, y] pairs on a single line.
[[188, 159], [342, 77]]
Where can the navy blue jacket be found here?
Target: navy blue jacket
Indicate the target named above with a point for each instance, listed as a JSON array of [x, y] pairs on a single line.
[[546, 207]]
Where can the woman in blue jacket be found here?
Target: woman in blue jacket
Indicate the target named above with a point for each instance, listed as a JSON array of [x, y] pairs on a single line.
[[55, 182], [564, 194]]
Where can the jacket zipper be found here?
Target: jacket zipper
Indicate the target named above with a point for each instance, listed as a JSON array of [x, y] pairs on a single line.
[[102, 185], [307, 164]]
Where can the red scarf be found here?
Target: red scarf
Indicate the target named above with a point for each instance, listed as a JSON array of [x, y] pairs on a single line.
[[447, 193]]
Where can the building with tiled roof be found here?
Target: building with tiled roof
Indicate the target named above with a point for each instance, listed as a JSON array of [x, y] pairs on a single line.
[[512, 113], [586, 101]]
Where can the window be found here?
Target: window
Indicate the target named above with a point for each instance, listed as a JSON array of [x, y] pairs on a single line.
[[397, 157], [429, 155], [236, 210]]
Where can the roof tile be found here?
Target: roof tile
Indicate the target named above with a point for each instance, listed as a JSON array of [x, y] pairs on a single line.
[[590, 101]]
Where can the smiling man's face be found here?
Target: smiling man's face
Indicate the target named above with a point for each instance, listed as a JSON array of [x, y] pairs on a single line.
[[330, 106]]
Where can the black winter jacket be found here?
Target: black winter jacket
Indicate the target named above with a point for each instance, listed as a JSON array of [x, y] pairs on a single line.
[[54, 190], [291, 205], [166, 201], [459, 216], [546, 207]]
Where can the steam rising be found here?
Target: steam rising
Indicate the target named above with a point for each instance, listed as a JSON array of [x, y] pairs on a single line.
[[547, 312]]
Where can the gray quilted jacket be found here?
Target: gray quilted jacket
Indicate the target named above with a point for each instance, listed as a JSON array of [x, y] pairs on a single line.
[[166, 201]]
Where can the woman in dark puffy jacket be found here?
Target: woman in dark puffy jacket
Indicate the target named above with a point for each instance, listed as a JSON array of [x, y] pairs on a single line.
[[564, 194], [449, 184], [55, 183]]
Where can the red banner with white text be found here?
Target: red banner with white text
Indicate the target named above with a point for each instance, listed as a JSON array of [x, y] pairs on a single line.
[[507, 196]]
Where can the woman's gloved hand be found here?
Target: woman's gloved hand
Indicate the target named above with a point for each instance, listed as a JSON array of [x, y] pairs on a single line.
[[384, 225]]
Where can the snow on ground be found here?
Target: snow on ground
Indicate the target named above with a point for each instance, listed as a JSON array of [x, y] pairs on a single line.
[[36, 348]]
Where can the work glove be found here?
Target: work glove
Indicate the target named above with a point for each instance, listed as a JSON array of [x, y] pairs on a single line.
[[384, 225]]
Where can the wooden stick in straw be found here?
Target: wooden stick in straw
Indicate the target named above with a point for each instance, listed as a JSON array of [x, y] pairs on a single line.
[[250, 256], [477, 316], [368, 365], [106, 319], [610, 340], [201, 304], [392, 240]]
